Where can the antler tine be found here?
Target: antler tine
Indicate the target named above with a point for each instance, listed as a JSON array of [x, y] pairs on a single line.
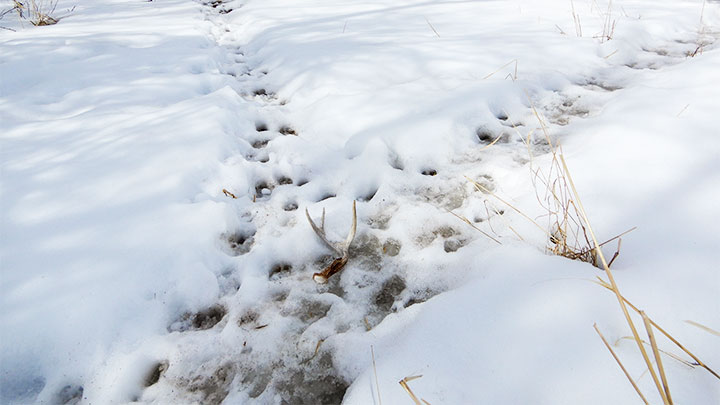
[[342, 249], [351, 235], [321, 232]]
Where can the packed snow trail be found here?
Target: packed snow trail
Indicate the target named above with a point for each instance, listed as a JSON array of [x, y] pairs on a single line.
[[158, 158]]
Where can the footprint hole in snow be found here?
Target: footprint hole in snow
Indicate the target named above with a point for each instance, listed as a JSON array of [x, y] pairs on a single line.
[[429, 172], [208, 318], [391, 247], [290, 206], [260, 143], [302, 182], [284, 180], [70, 394], [306, 309], [287, 130], [487, 136], [365, 197], [326, 196], [248, 318], [215, 387], [260, 92], [453, 245], [263, 189], [389, 293], [156, 371], [281, 269], [240, 242], [261, 126], [395, 162], [314, 382]]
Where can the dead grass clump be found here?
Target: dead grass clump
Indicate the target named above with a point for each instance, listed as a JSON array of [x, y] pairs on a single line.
[[38, 12]]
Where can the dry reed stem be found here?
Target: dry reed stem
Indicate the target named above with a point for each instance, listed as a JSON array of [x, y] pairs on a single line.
[[617, 359], [667, 335], [653, 343], [404, 383], [703, 327], [614, 285], [377, 384]]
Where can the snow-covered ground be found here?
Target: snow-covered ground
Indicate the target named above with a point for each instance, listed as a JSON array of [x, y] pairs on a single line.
[[158, 158]]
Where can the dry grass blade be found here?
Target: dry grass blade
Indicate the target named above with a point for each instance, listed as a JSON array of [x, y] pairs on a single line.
[[502, 67], [467, 221], [671, 355], [667, 335], [377, 383], [648, 327], [703, 327], [617, 359], [485, 190], [431, 27], [229, 194], [614, 285], [404, 384]]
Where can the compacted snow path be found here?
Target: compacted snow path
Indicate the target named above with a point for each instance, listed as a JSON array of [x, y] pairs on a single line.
[[156, 247]]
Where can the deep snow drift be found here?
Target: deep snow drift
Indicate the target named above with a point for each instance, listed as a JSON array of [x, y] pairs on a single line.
[[158, 158]]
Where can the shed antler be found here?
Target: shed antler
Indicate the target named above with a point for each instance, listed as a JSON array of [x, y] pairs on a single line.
[[341, 250]]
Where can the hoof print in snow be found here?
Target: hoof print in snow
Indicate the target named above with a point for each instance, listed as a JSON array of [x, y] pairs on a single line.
[[70, 395], [326, 196], [261, 143], [314, 382], [379, 221], [225, 10], [389, 293], [248, 318], [214, 388], [307, 310], [391, 247], [240, 243], [261, 127], [367, 196], [453, 245], [366, 252], [263, 189], [280, 270], [155, 373], [429, 172], [286, 130], [215, 3], [208, 318], [486, 136], [284, 180], [202, 320], [395, 162], [290, 206]]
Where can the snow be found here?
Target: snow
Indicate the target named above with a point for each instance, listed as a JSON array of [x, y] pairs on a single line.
[[158, 158]]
